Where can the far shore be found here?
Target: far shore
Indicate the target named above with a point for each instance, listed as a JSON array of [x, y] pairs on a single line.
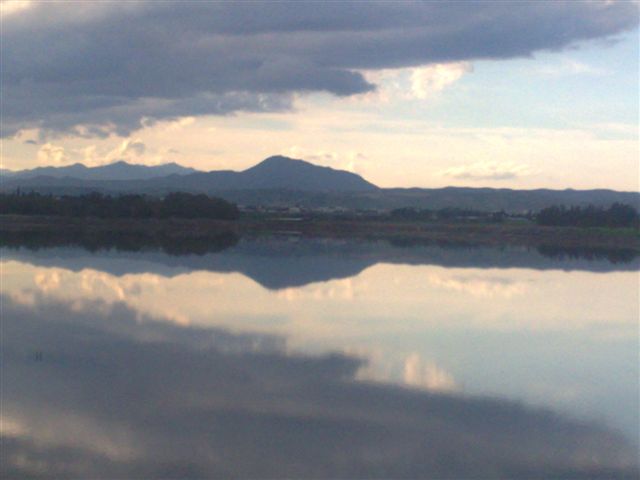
[[472, 233]]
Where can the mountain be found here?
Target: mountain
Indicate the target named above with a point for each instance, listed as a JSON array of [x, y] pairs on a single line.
[[280, 173], [114, 171], [273, 173], [281, 181], [283, 172]]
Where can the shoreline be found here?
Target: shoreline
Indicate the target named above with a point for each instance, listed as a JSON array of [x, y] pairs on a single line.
[[410, 231]]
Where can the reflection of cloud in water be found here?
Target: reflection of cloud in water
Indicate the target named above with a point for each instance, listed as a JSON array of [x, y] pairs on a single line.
[[96, 283], [427, 375], [417, 295], [334, 290], [118, 397], [76, 287], [410, 371], [48, 280], [483, 287]]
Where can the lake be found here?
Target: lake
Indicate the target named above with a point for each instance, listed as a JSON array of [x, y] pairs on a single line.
[[280, 356]]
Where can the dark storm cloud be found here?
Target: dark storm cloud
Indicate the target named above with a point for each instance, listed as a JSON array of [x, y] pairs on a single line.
[[116, 394], [108, 65]]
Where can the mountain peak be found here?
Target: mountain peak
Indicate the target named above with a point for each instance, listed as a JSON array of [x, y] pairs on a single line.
[[283, 172], [281, 160], [279, 164]]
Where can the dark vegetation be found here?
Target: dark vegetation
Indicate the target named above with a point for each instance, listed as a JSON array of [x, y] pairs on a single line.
[[173, 205], [193, 206], [617, 215], [178, 219]]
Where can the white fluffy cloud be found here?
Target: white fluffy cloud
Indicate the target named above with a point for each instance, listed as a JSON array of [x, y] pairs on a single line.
[[425, 81], [50, 154], [413, 83]]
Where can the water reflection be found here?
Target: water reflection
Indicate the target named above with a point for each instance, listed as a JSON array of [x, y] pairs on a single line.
[[277, 263], [172, 242], [117, 394], [318, 358]]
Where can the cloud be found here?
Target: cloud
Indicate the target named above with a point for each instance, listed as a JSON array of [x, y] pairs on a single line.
[[54, 109], [131, 148], [111, 67], [50, 154], [488, 170], [413, 83], [426, 81]]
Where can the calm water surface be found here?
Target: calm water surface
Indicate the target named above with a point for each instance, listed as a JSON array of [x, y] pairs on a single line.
[[309, 358]]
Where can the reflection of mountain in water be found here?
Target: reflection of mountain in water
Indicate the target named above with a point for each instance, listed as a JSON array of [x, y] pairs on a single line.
[[101, 390], [290, 262]]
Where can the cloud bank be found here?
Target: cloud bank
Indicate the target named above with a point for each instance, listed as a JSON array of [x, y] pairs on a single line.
[[105, 68]]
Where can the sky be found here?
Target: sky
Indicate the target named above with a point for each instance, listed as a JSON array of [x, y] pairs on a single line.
[[407, 94]]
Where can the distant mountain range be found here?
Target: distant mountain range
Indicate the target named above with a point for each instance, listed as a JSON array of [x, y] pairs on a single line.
[[273, 173], [282, 181], [114, 171]]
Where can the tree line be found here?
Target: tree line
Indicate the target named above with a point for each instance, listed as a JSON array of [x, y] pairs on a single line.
[[616, 216], [179, 205]]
